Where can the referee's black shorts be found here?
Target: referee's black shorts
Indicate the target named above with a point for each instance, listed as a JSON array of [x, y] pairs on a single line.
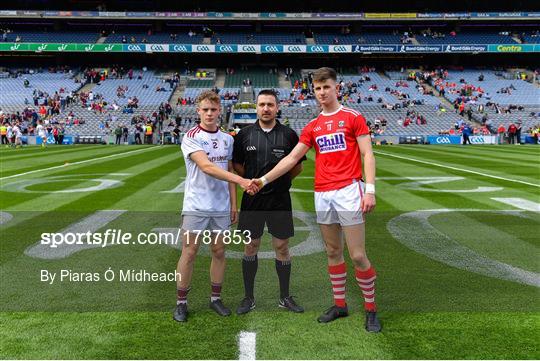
[[274, 210]]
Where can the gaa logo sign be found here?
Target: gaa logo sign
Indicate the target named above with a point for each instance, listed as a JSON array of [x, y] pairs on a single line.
[[316, 49], [203, 48], [248, 48], [443, 140], [157, 48], [225, 49], [134, 48], [293, 49], [339, 49], [181, 48], [270, 49]]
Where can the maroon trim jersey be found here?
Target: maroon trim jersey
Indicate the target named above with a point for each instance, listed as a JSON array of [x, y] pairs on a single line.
[[337, 162]]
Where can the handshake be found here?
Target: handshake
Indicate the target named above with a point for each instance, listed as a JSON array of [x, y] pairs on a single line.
[[252, 186]]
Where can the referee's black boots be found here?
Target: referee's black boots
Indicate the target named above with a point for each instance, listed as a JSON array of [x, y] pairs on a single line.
[[290, 304]]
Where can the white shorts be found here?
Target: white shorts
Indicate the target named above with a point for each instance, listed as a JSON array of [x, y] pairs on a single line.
[[199, 223], [341, 206]]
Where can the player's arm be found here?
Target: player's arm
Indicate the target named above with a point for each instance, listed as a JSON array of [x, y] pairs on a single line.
[[232, 194], [368, 159], [202, 161], [284, 165]]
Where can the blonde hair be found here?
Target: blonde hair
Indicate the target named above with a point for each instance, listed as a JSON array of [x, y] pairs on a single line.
[[210, 96]]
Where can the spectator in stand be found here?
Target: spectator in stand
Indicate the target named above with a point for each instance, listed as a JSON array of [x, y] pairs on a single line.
[[500, 131], [518, 132], [512, 130]]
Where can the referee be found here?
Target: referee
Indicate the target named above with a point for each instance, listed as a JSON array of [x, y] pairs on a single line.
[[257, 149]]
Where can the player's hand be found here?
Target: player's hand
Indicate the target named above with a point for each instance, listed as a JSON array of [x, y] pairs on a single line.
[[368, 203], [255, 186], [234, 216], [248, 186]]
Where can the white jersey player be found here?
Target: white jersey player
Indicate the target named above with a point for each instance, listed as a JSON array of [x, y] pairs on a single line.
[[17, 133], [209, 201], [42, 133]]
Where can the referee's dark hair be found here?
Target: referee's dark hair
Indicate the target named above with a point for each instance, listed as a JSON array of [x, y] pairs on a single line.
[[271, 92]]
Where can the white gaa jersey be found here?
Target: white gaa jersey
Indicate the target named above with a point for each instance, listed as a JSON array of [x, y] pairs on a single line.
[[205, 195], [40, 130]]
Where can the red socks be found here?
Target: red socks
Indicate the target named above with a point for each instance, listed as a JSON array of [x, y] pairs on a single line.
[[338, 277], [366, 282]]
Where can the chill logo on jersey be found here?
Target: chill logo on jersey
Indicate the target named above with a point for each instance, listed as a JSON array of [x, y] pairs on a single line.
[[334, 142]]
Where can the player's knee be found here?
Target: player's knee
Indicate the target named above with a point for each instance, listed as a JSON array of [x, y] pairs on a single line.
[[218, 252], [333, 252], [251, 249], [282, 249], [359, 259], [189, 254]]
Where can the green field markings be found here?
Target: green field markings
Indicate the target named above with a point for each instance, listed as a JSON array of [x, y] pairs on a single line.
[[54, 157], [472, 157], [49, 152], [118, 335], [459, 169], [280, 335], [520, 203], [414, 230], [129, 167], [33, 170], [499, 236]]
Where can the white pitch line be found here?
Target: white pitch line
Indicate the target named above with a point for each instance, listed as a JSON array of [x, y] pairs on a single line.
[[247, 342], [459, 169], [520, 203], [75, 163]]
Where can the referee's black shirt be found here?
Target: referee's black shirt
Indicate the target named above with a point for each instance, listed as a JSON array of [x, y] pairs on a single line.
[[259, 151]]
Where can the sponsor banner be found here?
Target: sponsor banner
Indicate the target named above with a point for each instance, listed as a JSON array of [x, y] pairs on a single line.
[[140, 14], [420, 48], [444, 139], [512, 48], [13, 47], [483, 139], [226, 48], [8, 12], [112, 14], [375, 48], [99, 48], [243, 48], [317, 48], [298, 15], [51, 47], [340, 48], [203, 48], [219, 15], [156, 48], [294, 48], [269, 48], [68, 139], [456, 15], [465, 48], [180, 48], [458, 139], [134, 48], [429, 15], [272, 15]]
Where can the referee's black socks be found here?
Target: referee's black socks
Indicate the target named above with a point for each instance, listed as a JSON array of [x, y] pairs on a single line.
[[249, 270], [283, 269]]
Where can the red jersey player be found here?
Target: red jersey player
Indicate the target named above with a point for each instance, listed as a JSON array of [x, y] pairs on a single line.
[[342, 144]]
